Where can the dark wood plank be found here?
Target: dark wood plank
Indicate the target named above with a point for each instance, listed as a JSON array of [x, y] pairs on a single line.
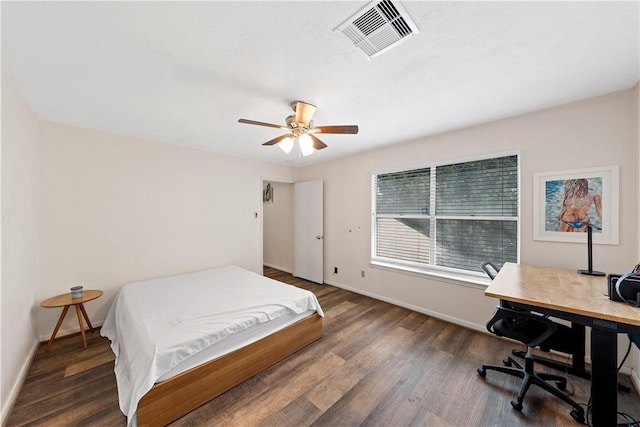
[[377, 364]]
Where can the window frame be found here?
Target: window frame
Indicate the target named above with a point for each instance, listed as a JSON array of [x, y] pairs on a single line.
[[448, 274]]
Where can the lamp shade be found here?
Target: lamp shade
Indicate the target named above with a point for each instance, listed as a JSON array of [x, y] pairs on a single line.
[[286, 145], [306, 145]]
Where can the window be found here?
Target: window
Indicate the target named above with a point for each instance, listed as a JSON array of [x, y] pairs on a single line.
[[447, 218]]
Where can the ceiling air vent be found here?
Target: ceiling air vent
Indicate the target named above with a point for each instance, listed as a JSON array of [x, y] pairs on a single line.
[[378, 27]]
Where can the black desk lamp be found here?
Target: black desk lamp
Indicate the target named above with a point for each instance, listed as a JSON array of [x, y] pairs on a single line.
[[590, 271]]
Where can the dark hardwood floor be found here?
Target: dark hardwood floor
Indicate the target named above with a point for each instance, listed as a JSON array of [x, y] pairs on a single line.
[[377, 364]]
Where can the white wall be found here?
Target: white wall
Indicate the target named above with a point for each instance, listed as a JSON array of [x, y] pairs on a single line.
[[277, 231], [19, 267], [595, 132], [115, 209]]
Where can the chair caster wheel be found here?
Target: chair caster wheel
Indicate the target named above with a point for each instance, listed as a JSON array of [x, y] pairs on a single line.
[[507, 362], [562, 385], [578, 416], [482, 372], [516, 405]]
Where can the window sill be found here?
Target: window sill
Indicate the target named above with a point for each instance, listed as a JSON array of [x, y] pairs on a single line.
[[444, 276]]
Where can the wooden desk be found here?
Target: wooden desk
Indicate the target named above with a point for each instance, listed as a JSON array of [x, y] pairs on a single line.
[[581, 299], [66, 301]]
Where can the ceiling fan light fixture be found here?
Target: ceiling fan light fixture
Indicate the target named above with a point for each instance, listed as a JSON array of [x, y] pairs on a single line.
[[300, 128], [286, 144], [306, 145]]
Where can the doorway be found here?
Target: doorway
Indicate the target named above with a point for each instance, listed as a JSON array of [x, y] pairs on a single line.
[[278, 225], [292, 221]]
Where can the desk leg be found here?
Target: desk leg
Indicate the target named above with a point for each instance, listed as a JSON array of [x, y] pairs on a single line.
[[604, 377], [578, 355], [84, 337], [55, 331]]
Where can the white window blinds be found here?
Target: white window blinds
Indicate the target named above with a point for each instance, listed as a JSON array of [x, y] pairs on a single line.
[[452, 216], [403, 215]]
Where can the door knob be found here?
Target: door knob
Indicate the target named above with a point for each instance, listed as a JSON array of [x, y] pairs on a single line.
[[319, 237]]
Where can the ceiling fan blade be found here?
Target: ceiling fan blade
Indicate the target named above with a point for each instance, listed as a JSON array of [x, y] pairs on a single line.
[[304, 112], [276, 140], [317, 144], [345, 129], [253, 122]]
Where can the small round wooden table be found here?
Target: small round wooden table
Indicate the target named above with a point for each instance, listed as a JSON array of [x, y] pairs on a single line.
[[66, 301]]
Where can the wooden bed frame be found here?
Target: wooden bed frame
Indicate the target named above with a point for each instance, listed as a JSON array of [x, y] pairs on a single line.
[[175, 397]]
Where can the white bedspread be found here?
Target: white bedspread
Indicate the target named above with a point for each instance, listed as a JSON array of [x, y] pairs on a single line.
[[156, 324]]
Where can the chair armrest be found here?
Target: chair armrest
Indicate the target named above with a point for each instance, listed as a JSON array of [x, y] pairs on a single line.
[[533, 331]]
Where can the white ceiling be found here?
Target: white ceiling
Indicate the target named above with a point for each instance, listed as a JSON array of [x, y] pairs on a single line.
[[185, 72]]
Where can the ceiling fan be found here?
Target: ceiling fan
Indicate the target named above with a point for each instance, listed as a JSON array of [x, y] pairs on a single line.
[[299, 126]]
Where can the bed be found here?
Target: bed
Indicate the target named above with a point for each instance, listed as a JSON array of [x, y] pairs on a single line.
[[180, 341]]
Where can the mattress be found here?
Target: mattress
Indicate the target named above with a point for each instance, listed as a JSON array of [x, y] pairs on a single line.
[[235, 342], [159, 328]]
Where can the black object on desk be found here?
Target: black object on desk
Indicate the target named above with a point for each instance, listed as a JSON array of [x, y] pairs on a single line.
[[628, 290], [590, 271]]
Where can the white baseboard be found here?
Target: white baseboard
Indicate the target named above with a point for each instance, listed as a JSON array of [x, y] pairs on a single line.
[[24, 369], [277, 267], [445, 317], [625, 370], [68, 331], [17, 386]]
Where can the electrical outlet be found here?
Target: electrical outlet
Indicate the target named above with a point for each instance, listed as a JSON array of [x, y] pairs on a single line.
[[362, 273]]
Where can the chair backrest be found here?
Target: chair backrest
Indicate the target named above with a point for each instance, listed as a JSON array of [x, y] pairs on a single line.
[[492, 271], [635, 338], [528, 328], [565, 339], [490, 268]]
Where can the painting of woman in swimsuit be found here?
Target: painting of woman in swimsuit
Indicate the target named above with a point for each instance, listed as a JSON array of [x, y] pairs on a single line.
[[573, 204], [568, 203], [576, 205]]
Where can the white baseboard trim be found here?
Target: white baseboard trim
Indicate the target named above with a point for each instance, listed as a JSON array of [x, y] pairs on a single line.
[[17, 386], [277, 267], [625, 370], [68, 331], [445, 317], [24, 369]]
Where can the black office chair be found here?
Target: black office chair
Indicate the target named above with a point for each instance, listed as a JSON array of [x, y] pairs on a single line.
[[565, 340], [490, 269], [533, 330]]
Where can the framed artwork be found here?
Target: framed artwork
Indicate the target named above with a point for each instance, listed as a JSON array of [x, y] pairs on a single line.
[[565, 203]]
